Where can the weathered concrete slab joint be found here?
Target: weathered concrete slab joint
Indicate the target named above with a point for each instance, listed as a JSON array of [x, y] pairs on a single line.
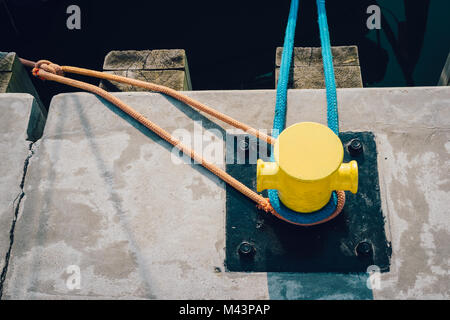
[[21, 124], [16, 208]]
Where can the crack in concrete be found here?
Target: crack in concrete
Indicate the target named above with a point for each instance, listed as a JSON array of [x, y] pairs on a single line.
[[16, 209]]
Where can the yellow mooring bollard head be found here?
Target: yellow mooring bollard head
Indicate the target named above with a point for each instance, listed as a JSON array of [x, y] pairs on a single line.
[[308, 167]]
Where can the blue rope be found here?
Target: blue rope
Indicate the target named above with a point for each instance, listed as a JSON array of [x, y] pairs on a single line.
[[279, 121], [330, 83]]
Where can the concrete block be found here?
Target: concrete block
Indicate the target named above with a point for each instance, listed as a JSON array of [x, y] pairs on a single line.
[[15, 78], [307, 67], [19, 121], [165, 67], [104, 195], [307, 56]]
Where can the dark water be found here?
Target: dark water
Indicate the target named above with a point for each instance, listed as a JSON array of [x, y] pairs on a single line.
[[231, 44]]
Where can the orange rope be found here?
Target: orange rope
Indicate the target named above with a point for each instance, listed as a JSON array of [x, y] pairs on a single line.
[[173, 93], [56, 69], [47, 70]]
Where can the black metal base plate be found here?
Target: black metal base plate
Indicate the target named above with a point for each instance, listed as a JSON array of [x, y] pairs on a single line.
[[351, 242]]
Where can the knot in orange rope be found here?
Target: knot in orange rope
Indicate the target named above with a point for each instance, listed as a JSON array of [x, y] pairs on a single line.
[[47, 66]]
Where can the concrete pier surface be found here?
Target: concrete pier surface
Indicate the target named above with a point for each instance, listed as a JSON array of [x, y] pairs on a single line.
[[21, 122], [107, 212]]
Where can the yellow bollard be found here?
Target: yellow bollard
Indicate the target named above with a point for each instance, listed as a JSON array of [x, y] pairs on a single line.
[[308, 167]]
